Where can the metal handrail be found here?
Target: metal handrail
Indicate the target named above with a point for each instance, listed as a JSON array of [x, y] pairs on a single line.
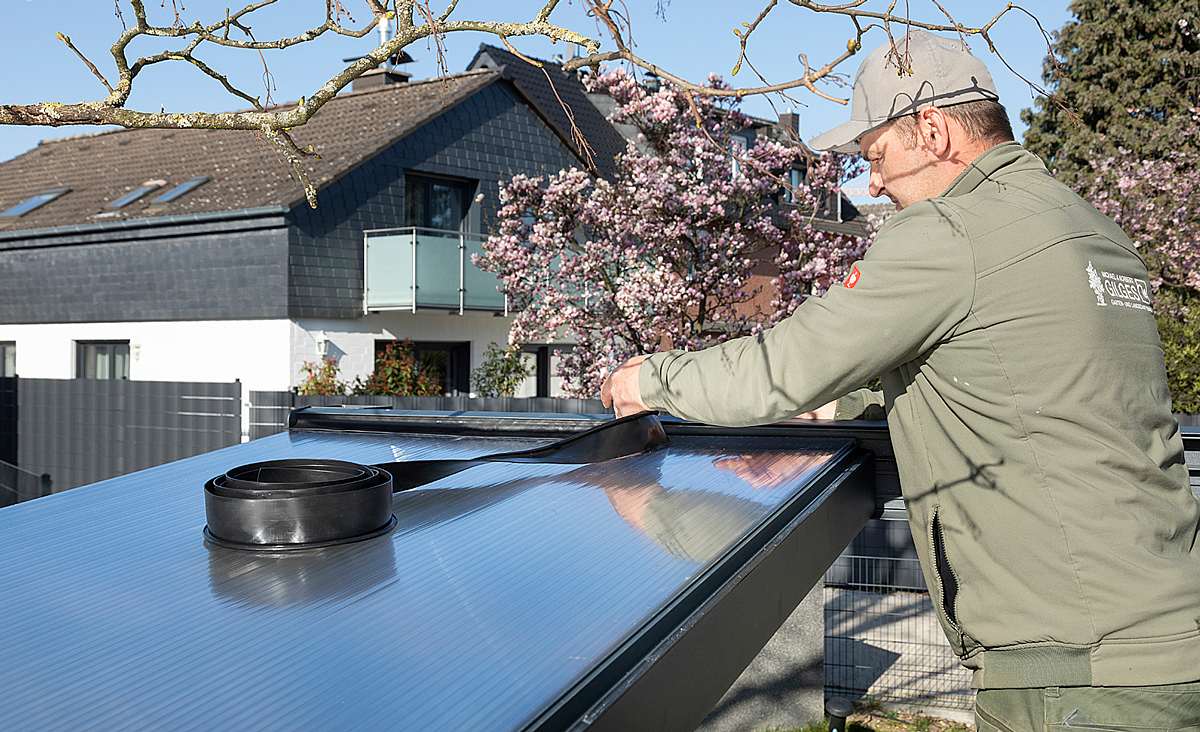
[[42, 481], [19, 469], [410, 229]]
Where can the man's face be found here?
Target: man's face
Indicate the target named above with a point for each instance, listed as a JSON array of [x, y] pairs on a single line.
[[900, 167]]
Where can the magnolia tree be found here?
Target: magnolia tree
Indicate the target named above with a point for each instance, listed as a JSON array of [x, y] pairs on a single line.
[[663, 255], [1157, 202]]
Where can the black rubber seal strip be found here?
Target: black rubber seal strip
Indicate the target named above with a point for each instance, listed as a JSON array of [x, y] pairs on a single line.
[[281, 505], [272, 548]]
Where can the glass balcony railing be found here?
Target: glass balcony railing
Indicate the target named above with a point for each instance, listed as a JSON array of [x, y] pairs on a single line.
[[414, 267]]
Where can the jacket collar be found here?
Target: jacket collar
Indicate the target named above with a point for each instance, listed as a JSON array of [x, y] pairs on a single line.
[[1004, 158]]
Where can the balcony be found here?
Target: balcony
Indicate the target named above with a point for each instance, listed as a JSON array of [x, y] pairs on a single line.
[[417, 268]]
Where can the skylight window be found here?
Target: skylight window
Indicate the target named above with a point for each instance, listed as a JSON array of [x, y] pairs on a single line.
[[33, 202], [182, 189], [136, 193]]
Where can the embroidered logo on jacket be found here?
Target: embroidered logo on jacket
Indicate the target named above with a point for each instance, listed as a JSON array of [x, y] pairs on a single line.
[[1096, 285], [852, 278], [1122, 290]]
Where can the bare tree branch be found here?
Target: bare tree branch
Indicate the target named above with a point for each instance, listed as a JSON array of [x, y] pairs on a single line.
[[577, 136], [435, 35], [112, 111], [811, 76], [294, 156], [414, 21]]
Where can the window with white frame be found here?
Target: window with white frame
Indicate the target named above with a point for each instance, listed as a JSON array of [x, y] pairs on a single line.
[[795, 180], [8, 359], [737, 151], [102, 360]]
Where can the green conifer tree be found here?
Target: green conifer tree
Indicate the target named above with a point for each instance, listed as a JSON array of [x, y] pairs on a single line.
[[1126, 66]]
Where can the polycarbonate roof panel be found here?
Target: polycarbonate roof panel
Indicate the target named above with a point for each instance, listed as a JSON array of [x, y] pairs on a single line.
[[500, 588]]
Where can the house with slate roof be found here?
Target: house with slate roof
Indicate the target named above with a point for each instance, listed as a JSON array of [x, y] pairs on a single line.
[[190, 255]]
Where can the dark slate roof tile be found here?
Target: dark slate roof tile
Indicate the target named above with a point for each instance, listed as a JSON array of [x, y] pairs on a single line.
[[245, 170], [604, 139]]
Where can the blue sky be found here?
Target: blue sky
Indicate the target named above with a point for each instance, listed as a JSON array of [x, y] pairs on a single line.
[[695, 39]]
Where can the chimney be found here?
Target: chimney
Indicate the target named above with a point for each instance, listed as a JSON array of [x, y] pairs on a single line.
[[385, 74], [789, 121]]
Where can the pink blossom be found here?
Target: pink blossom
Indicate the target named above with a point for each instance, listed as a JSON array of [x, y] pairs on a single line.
[[665, 254], [1156, 203]]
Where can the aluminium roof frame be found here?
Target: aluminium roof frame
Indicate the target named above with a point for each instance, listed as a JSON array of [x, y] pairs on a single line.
[[729, 613]]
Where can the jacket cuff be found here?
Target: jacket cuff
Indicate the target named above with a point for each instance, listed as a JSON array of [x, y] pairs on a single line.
[[650, 387], [861, 404]]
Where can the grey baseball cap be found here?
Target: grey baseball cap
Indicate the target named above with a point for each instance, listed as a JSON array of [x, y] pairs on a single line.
[[944, 73]]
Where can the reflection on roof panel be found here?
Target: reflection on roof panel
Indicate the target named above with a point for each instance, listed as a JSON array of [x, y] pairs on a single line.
[[182, 189], [33, 202]]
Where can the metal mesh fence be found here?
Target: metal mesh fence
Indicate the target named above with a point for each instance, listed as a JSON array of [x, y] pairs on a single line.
[[883, 641]]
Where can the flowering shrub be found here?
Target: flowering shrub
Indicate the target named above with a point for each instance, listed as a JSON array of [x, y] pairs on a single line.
[[663, 256], [501, 373], [321, 379], [1157, 202], [399, 373]]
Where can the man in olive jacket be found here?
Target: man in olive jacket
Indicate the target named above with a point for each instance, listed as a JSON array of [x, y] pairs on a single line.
[[1026, 397]]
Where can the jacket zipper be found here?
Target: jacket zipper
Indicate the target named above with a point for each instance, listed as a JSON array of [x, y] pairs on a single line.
[[947, 579]]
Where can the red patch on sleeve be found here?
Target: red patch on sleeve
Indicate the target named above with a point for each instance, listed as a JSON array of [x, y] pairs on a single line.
[[852, 278]]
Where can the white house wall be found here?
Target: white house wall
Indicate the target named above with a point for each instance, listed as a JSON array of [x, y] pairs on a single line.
[[265, 355], [352, 342], [252, 351]]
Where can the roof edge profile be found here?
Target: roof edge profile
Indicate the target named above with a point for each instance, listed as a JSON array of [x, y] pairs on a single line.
[[142, 223]]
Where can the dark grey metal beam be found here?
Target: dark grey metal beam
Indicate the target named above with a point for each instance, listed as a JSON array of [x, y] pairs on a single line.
[[675, 684]]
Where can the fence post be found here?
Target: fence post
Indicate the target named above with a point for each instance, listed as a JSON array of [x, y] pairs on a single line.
[[838, 709], [45, 487]]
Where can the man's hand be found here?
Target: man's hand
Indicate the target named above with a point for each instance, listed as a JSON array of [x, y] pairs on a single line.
[[620, 389], [826, 412]]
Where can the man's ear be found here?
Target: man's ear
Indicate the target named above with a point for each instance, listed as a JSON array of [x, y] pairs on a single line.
[[933, 128]]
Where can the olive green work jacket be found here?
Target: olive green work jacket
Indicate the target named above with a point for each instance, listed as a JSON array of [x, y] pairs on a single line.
[[1027, 402]]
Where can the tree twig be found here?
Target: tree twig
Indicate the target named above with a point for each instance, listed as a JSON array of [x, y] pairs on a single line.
[[86, 62], [744, 38]]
